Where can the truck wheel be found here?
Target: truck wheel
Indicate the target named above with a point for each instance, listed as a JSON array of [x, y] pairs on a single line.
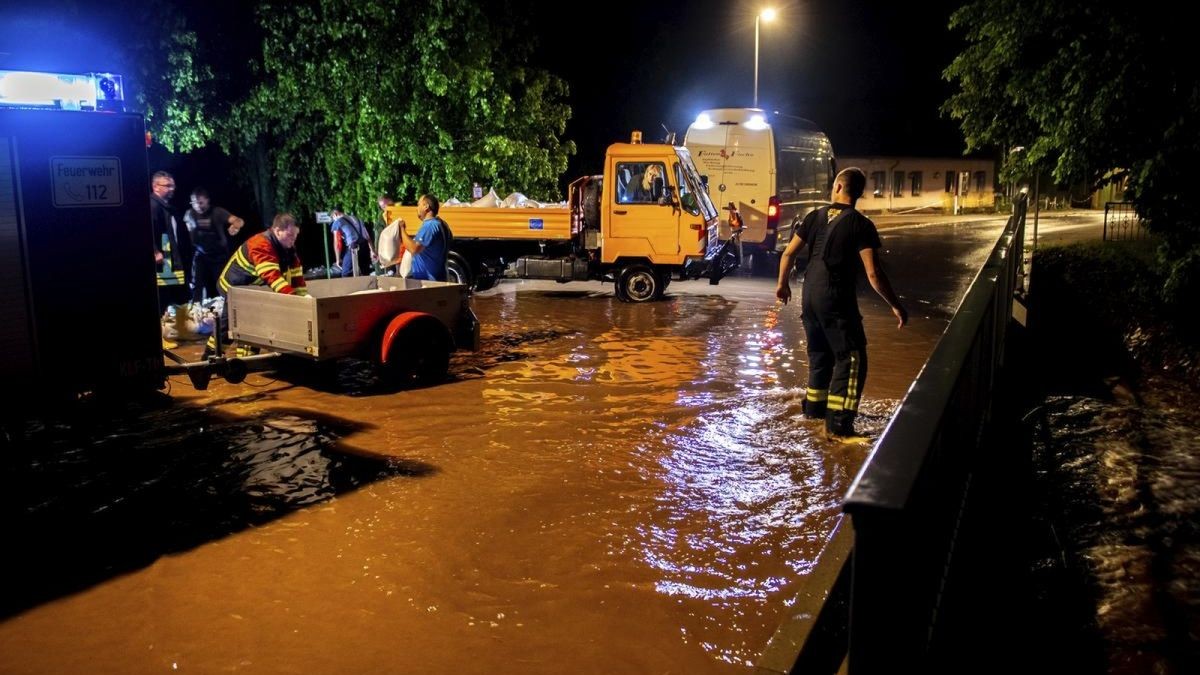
[[665, 277], [415, 349], [591, 204], [458, 271], [639, 283]]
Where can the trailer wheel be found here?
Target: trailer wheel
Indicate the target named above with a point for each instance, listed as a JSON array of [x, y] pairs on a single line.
[[415, 349], [639, 283], [458, 271]]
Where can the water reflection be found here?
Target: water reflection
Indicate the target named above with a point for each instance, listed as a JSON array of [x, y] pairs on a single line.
[[617, 488], [104, 491]]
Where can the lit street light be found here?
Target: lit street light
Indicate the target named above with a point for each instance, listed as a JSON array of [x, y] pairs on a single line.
[[767, 14]]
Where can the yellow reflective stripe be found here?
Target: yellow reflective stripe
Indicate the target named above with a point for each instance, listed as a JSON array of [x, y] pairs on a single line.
[[262, 268], [242, 261], [278, 284], [817, 395], [170, 278], [224, 285], [836, 402], [852, 385], [302, 291]]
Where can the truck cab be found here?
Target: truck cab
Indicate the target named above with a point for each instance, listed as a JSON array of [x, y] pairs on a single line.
[[661, 225]]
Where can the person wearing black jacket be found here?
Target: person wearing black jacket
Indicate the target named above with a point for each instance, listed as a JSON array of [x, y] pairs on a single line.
[[172, 244]]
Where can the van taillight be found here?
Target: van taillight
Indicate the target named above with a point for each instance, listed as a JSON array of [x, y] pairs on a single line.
[[772, 213]]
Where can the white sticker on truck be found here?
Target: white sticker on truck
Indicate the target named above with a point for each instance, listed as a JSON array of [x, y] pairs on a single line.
[[86, 181]]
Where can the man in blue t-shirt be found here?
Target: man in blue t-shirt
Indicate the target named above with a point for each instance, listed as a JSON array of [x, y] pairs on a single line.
[[430, 245]]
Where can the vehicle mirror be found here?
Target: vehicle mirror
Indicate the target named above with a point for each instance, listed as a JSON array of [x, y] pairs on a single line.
[[666, 192]]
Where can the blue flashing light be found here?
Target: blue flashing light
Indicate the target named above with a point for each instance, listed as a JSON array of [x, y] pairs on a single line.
[[61, 91]]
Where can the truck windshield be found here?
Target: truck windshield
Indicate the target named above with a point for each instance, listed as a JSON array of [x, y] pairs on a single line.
[[697, 197]]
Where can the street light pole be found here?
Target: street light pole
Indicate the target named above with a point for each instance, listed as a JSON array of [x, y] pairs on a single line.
[[765, 15], [756, 18]]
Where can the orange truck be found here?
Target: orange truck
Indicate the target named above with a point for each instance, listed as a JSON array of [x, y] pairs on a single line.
[[635, 226]]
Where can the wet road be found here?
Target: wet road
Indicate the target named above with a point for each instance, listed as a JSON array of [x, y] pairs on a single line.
[[603, 488]]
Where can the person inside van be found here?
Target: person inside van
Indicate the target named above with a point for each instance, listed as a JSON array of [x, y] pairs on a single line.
[[646, 187]]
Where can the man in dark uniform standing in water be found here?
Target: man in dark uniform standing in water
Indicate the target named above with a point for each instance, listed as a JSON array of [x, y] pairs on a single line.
[[841, 242]]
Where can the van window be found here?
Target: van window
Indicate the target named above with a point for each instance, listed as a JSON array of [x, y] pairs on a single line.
[[801, 176]]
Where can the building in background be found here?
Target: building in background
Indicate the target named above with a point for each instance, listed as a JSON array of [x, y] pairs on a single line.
[[941, 184]]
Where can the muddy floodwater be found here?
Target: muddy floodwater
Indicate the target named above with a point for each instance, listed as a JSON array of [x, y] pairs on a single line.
[[603, 488]]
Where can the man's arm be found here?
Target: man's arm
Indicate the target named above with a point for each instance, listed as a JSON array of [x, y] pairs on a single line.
[[881, 284], [410, 243], [235, 225], [782, 290]]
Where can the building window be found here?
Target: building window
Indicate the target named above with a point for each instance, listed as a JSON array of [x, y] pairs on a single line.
[[915, 179], [878, 182], [897, 183], [949, 180], [980, 177]]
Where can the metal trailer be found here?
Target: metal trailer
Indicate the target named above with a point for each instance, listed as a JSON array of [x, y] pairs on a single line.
[[408, 326]]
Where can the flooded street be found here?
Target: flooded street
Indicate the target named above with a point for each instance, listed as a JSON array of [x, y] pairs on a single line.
[[604, 487]]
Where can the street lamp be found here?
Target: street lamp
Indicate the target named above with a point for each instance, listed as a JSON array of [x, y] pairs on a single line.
[[767, 14]]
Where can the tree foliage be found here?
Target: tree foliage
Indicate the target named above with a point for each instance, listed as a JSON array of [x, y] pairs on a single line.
[[362, 98], [175, 83], [1096, 91]]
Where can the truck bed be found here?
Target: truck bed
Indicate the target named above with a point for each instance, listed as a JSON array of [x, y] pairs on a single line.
[[473, 222], [341, 317]]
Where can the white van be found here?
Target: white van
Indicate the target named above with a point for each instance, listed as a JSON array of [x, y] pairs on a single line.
[[774, 168]]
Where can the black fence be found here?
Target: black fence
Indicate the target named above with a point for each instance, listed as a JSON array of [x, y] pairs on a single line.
[[875, 601], [1121, 222]]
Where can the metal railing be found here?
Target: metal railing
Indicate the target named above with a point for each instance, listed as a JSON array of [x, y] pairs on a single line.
[[874, 598], [1121, 222]]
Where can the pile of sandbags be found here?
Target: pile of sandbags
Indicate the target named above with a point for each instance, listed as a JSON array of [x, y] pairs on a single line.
[[191, 321]]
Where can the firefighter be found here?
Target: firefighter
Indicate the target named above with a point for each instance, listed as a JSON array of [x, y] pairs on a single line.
[[266, 259], [842, 244]]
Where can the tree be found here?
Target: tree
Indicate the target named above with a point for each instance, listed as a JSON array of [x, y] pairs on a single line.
[[1087, 88], [359, 98]]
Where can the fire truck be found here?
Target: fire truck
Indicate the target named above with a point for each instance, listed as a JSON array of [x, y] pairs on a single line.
[[77, 275]]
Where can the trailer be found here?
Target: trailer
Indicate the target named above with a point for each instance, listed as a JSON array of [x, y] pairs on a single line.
[[408, 327]]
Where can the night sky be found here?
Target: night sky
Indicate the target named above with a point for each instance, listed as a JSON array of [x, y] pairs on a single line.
[[869, 73]]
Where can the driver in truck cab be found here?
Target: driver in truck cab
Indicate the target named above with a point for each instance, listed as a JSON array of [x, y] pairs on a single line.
[[646, 187], [267, 259]]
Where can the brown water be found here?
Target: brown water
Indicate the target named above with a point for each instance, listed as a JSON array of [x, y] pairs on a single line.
[[604, 488]]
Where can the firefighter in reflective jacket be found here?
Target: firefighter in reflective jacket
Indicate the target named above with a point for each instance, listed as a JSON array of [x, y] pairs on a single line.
[[266, 259]]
